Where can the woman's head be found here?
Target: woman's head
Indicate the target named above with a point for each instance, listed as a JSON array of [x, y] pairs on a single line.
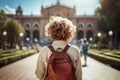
[[60, 29]]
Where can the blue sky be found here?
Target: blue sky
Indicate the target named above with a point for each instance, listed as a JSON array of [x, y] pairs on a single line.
[[34, 6]]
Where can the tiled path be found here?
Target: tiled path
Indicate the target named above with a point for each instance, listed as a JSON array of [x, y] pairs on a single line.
[[25, 69], [98, 71]]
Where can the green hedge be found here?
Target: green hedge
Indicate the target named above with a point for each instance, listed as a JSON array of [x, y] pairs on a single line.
[[106, 57], [13, 55]]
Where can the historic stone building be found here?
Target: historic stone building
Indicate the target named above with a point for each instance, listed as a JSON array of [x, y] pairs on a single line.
[[34, 25]]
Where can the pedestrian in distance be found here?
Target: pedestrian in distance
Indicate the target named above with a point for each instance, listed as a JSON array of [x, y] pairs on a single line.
[[60, 60], [85, 52]]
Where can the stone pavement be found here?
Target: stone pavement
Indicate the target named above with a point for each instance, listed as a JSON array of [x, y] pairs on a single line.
[[25, 69], [99, 71]]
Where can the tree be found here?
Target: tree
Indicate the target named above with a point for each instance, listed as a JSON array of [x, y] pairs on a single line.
[[109, 18], [3, 19], [13, 28]]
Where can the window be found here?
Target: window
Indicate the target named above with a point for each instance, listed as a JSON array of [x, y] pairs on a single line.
[[27, 26], [35, 26], [80, 26], [89, 25]]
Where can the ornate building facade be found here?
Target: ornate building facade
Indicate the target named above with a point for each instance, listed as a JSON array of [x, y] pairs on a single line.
[[34, 25]]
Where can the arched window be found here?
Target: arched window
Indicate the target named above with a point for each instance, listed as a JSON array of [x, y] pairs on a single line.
[[80, 25], [89, 25], [36, 26], [26, 25]]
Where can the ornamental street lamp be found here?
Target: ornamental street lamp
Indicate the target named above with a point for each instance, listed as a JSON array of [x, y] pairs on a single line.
[[99, 34], [99, 42], [91, 39], [81, 40], [4, 44], [36, 40], [110, 41], [4, 33], [21, 43], [27, 39], [21, 34]]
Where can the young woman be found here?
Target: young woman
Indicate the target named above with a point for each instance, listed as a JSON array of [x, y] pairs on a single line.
[[60, 30]]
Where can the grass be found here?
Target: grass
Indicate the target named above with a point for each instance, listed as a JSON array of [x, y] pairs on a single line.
[[12, 55], [108, 57]]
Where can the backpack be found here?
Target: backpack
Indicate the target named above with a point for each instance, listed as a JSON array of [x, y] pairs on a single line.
[[85, 47], [60, 66]]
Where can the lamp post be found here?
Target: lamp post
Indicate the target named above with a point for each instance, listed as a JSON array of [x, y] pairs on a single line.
[[4, 44], [36, 40], [81, 40], [27, 39], [90, 39], [99, 43], [21, 44], [110, 41]]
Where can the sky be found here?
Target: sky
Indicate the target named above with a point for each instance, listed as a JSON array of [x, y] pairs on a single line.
[[34, 6]]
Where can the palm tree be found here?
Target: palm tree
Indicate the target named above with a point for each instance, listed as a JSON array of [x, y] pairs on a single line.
[[13, 28]]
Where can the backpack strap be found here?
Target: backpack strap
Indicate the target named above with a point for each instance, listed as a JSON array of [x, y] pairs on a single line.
[[66, 48], [51, 48]]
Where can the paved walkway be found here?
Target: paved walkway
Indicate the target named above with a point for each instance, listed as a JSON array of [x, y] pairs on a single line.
[[25, 69], [99, 71]]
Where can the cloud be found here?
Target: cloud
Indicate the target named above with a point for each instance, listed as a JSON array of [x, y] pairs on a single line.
[[8, 9]]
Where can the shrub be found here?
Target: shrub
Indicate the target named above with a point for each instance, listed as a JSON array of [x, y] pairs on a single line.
[[13, 56], [107, 58]]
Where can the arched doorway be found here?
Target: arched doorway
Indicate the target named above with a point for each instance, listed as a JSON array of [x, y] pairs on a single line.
[[80, 35], [27, 35], [89, 34], [36, 36]]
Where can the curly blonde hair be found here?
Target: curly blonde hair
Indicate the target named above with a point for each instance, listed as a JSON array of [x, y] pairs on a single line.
[[60, 28]]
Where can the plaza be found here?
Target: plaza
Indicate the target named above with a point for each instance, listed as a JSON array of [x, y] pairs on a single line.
[[23, 35], [25, 70]]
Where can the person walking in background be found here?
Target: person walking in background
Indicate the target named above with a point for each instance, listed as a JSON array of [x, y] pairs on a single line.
[[85, 51], [60, 30]]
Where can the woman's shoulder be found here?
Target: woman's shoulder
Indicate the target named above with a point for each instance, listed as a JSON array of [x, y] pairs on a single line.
[[74, 47], [44, 48], [74, 52]]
